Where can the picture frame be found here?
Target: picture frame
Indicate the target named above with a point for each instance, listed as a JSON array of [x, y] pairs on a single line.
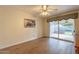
[[29, 23]]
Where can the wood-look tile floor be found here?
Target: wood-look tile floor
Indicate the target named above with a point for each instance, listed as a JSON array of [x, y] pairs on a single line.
[[42, 46]]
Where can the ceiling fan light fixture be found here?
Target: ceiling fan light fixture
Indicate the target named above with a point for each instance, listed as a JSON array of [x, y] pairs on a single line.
[[44, 10], [44, 13]]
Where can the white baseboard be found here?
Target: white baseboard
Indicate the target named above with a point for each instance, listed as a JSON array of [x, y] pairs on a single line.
[[2, 47]]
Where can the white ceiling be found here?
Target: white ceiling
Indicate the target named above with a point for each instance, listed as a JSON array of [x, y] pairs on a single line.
[[36, 9]]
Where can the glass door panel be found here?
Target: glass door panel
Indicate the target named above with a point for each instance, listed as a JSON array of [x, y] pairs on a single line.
[[66, 29], [54, 29]]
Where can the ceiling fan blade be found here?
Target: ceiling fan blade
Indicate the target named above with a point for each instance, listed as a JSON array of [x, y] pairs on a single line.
[[49, 10]]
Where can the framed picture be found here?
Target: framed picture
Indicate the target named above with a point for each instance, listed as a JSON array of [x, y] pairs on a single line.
[[29, 23]]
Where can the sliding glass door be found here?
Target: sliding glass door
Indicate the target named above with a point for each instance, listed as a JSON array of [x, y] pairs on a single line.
[[63, 29]]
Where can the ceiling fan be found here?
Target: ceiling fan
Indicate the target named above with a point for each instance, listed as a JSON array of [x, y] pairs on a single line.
[[45, 10]]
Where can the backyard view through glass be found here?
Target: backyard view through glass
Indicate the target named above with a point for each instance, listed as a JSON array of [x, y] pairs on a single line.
[[65, 29]]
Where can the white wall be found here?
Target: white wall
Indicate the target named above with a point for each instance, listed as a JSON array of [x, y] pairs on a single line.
[[12, 29], [46, 28]]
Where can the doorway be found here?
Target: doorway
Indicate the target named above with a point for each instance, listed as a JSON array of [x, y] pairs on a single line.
[[63, 29]]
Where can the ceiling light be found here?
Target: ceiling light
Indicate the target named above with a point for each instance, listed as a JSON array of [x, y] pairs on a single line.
[[44, 13], [44, 10]]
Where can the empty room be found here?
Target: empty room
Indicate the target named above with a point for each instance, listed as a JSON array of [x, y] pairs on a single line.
[[39, 29]]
